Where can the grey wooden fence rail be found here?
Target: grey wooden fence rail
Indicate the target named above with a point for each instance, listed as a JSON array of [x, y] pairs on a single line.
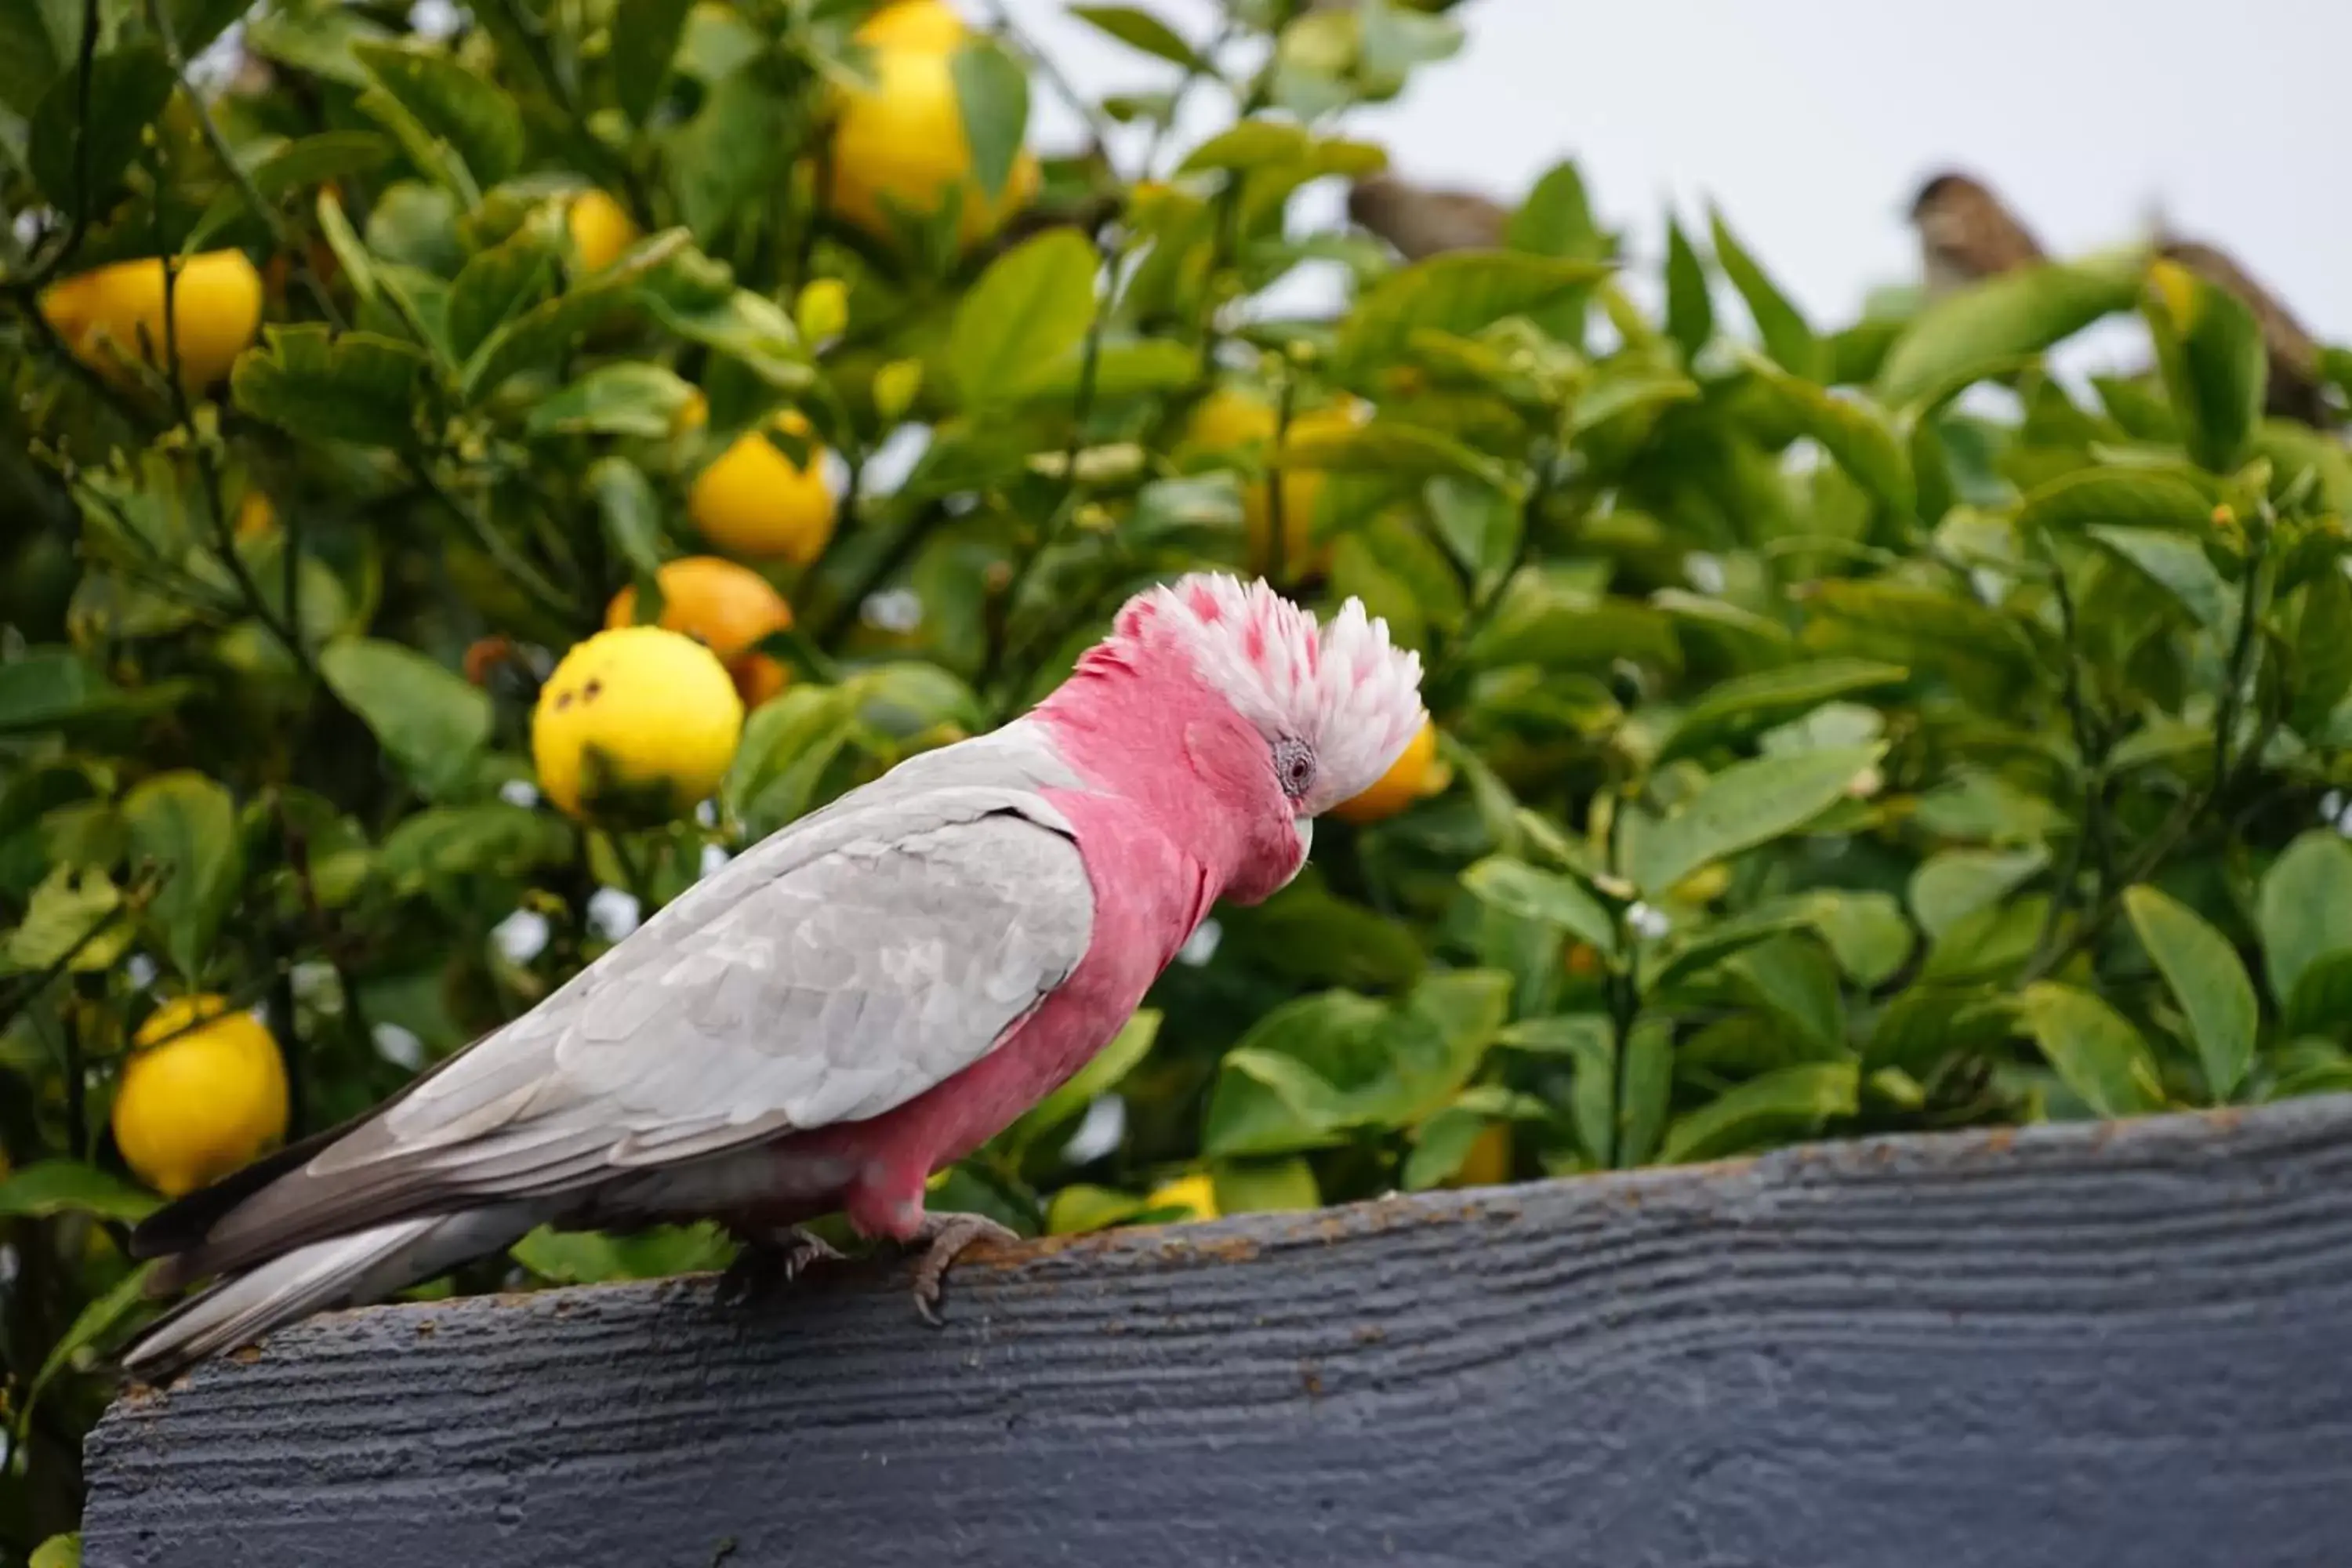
[[2065, 1346]]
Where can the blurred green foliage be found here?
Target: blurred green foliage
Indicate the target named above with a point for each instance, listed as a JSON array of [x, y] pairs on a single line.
[[1826, 755]]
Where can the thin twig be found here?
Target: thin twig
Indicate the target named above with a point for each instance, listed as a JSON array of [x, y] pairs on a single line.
[[500, 549], [77, 228], [254, 200]]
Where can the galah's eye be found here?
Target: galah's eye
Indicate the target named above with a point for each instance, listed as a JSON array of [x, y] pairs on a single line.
[[1294, 764]]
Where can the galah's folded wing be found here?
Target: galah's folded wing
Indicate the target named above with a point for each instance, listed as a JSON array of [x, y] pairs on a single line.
[[826, 975]]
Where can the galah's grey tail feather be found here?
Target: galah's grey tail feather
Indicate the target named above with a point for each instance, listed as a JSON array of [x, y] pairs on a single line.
[[349, 1271]]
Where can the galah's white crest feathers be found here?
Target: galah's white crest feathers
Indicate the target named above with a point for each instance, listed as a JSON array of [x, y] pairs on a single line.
[[1341, 687]]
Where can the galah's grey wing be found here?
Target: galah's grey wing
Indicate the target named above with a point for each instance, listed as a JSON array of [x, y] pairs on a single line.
[[827, 974]]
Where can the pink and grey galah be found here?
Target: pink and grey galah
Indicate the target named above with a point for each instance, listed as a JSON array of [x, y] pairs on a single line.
[[861, 999]]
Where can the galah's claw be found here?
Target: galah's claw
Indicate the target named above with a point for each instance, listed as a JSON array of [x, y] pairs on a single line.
[[770, 1261], [949, 1236]]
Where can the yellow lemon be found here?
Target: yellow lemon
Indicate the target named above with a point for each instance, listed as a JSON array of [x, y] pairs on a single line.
[[216, 310], [639, 721], [728, 607], [1196, 1195], [901, 139], [1488, 1163], [914, 25], [751, 499], [1230, 420], [602, 229], [254, 516], [196, 1102], [1414, 775]]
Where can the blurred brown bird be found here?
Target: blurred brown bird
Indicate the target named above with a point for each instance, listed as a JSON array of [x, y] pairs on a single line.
[[1967, 234], [1420, 221], [2296, 388]]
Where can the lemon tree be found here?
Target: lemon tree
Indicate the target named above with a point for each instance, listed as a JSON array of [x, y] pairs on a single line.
[[581, 444]]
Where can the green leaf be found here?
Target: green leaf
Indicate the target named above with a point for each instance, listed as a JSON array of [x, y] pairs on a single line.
[[1785, 1103], [2321, 670], [1440, 1145], [2322, 998], [187, 823], [626, 397], [1265, 1186], [1866, 933], [1140, 29], [1690, 305], [127, 91], [2214, 362], [62, 1550], [1996, 324], [1786, 336], [1742, 806], [588, 1256], [1031, 307], [2304, 908], [786, 747], [2207, 979], [1392, 445], [1950, 887], [74, 911], [1745, 704], [2174, 563], [1461, 292], [2132, 497], [2096, 1051], [992, 94], [471, 115], [49, 686], [494, 287], [1247, 145], [1268, 1099], [34, 51], [630, 512], [52, 1188], [443, 844], [296, 165], [1521, 889], [665, 273], [428, 718], [354, 387], [646, 34], [1646, 1093], [125, 1298], [1556, 218], [1857, 436], [1479, 524]]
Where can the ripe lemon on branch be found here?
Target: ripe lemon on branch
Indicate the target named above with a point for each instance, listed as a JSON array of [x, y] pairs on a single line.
[[1416, 775], [636, 724], [900, 142], [1232, 420], [729, 608], [116, 313], [753, 499], [203, 1093]]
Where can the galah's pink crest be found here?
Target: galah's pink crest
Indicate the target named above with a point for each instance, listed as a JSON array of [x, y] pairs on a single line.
[[859, 1000]]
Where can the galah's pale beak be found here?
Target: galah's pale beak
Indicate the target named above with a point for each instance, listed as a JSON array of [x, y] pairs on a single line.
[[1305, 825]]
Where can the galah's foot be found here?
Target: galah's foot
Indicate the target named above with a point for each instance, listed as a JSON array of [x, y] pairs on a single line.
[[949, 1236], [770, 1261]]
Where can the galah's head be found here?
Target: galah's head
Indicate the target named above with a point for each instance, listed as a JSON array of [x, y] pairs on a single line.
[[1334, 705]]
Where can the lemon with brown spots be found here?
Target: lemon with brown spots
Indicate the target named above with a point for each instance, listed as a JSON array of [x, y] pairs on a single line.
[[1416, 775], [636, 724], [726, 604], [203, 1093], [899, 141]]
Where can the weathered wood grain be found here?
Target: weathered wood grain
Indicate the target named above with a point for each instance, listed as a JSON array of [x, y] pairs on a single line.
[[2066, 1346]]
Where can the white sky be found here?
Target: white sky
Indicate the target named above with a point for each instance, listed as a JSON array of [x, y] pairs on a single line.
[[1811, 123]]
